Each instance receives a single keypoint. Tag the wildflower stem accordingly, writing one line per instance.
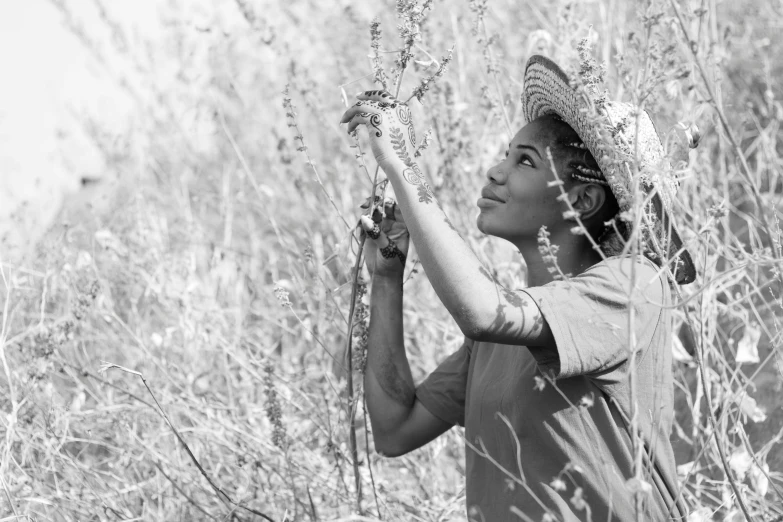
(745, 170)
(367, 451)
(494, 74)
(12, 392)
(699, 356)
(349, 341)
(295, 124)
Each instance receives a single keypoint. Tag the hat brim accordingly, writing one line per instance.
(547, 90)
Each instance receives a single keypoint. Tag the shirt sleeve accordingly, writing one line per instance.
(443, 391)
(590, 316)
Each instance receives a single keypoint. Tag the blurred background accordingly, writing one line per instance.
(162, 211)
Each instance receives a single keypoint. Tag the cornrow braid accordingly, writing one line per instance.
(588, 175)
(580, 171)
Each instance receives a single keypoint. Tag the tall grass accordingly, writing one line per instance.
(220, 269)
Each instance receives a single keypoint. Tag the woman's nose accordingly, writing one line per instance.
(497, 174)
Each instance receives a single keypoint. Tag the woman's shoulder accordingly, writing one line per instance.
(632, 271)
(627, 261)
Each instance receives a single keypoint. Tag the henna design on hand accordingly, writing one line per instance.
(376, 120)
(382, 94)
(391, 251)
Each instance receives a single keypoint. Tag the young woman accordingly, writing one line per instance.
(564, 388)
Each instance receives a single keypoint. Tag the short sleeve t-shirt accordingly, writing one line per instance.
(548, 433)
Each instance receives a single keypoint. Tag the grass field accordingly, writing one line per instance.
(175, 348)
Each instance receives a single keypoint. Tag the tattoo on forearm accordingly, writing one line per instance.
(404, 115)
(412, 174)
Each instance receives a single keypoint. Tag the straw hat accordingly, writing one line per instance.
(609, 130)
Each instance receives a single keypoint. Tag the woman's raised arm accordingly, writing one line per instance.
(483, 309)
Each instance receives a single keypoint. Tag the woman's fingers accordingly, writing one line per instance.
(351, 112)
(392, 210)
(358, 108)
(376, 96)
(386, 246)
(361, 118)
(373, 231)
(366, 203)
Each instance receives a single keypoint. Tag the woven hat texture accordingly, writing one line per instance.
(616, 133)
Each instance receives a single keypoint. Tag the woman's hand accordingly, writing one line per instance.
(388, 239)
(389, 124)
(392, 138)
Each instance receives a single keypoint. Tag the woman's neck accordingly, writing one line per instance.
(574, 256)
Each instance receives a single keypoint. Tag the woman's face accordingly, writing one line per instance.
(517, 202)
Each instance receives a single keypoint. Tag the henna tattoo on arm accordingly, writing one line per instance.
(412, 174)
(404, 115)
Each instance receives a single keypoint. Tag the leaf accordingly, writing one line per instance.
(748, 347)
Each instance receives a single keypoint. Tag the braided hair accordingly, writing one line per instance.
(580, 166)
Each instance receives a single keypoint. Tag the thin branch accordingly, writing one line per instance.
(220, 493)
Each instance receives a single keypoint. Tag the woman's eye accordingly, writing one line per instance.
(525, 160)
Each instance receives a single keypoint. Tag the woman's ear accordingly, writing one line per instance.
(587, 199)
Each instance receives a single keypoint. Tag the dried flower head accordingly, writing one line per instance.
(273, 411)
(587, 401)
(411, 15)
(361, 327)
(424, 86)
(577, 500)
(282, 295)
(558, 484)
(549, 253)
(375, 43)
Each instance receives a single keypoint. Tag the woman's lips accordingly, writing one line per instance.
(487, 202)
(488, 192)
